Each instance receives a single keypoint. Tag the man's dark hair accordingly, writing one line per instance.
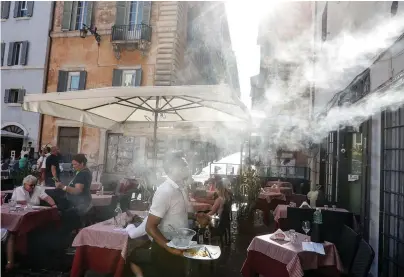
(80, 158)
(173, 159)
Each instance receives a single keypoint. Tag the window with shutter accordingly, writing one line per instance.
(24, 53)
(30, 8)
(3, 49)
(146, 12)
(5, 9)
(11, 96)
(121, 13)
(83, 79)
(20, 97)
(324, 22)
(73, 81)
(117, 78)
(7, 95)
(21, 8)
(67, 15)
(62, 80)
(80, 9)
(16, 53)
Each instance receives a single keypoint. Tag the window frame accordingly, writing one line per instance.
(139, 8)
(22, 11)
(69, 80)
(79, 15)
(127, 72)
(17, 54)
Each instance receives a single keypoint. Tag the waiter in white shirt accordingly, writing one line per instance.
(169, 209)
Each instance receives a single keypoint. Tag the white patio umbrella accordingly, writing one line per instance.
(111, 106)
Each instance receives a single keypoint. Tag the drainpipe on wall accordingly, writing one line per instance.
(313, 163)
(46, 70)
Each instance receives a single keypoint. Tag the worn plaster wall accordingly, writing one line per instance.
(71, 52)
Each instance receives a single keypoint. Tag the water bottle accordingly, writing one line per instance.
(118, 215)
(207, 236)
(316, 229)
(200, 235)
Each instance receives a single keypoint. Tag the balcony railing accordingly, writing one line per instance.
(135, 33)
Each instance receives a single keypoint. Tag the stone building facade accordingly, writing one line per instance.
(120, 58)
(25, 27)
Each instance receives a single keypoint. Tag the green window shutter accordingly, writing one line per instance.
(21, 94)
(138, 78)
(10, 53)
(62, 81)
(7, 95)
(117, 78)
(89, 13)
(83, 79)
(24, 53)
(67, 15)
(16, 8)
(121, 12)
(3, 48)
(5, 9)
(30, 8)
(146, 12)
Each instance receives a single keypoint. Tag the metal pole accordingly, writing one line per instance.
(156, 116)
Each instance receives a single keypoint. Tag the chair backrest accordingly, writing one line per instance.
(333, 223)
(362, 261)
(275, 202)
(298, 199)
(296, 216)
(347, 246)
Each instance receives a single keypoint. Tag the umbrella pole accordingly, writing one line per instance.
(156, 116)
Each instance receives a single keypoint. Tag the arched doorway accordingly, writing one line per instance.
(12, 139)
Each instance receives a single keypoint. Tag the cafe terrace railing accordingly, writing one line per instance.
(131, 33)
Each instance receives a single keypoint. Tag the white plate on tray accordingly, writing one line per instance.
(191, 245)
(199, 252)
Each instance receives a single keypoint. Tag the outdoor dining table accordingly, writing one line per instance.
(104, 248)
(101, 200)
(269, 196)
(23, 221)
(281, 211)
(269, 258)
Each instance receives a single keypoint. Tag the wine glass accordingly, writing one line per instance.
(306, 227)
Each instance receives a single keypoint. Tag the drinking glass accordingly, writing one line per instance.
(12, 204)
(334, 207)
(306, 228)
(325, 207)
(292, 235)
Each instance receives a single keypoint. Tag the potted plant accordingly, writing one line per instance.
(246, 198)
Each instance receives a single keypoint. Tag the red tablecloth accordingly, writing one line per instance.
(269, 196)
(103, 248)
(291, 255)
(22, 222)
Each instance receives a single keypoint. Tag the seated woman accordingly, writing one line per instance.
(30, 193)
(222, 197)
(77, 193)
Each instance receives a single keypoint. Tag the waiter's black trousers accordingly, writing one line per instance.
(165, 263)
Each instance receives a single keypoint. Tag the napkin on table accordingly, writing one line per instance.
(305, 205)
(279, 235)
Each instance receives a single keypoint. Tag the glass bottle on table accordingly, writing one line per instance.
(200, 237)
(118, 215)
